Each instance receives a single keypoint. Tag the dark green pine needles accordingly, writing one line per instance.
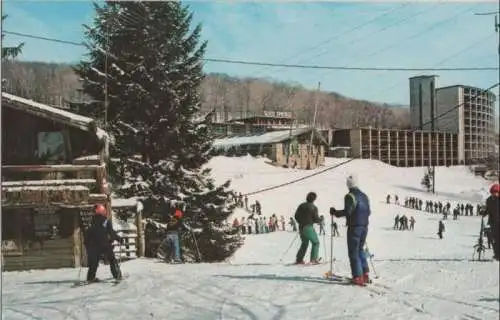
(151, 57)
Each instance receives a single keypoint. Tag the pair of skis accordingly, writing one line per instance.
(338, 278)
(320, 262)
(107, 280)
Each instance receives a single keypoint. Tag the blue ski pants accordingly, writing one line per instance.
(356, 238)
(173, 239)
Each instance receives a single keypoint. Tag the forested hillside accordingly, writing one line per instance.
(55, 84)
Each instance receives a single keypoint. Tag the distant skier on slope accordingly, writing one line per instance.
(98, 241)
(306, 215)
(441, 229)
(322, 225)
(292, 224)
(357, 212)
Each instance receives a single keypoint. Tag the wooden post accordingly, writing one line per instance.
(77, 242)
(141, 243)
(309, 147)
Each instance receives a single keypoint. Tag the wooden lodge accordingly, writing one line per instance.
(286, 148)
(48, 191)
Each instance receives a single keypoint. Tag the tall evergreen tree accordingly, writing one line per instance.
(153, 64)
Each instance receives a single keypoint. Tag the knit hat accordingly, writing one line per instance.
(495, 188)
(100, 210)
(352, 181)
(178, 214)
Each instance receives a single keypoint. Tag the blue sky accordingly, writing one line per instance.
(397, 34)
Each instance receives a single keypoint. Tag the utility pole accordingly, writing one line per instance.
(106, 76)
(314, 123)
(497, 30)
(433, 117)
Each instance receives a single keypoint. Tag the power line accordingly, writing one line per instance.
(282, 65)
(413, 36)
(446, 59)
(395, 23)
(300, 66)
(44, 38)
(300, 179)
(487, 13)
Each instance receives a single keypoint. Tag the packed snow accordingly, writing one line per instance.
(420, 276)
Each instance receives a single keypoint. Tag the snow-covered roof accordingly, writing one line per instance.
(51, 113)
(265, 138)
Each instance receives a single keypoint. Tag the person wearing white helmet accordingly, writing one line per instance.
(357, 212)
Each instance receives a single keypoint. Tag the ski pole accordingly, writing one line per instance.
(367, 251)
(196, 245)
(324, 245)
(331, 247)
(289, 246)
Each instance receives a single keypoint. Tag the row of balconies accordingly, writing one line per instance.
(374, 140)
(478, 101)
(409, 151)
(471, 116)
(478, 93)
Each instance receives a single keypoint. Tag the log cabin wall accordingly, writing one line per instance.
(35, 233)
(39, 238)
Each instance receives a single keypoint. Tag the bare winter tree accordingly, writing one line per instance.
(56, 83)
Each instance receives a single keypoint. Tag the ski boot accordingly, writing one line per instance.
(358, 281)
(366, 278)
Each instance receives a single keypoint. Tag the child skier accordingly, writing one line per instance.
(335, 229)
(174, 225)
(293, 224)
(98, 241)
(412, 223)
(322, 225)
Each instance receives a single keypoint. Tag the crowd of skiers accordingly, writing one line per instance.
(491, 210)
(437, 206)
(259, 225)
(403, 223)
(242, 202)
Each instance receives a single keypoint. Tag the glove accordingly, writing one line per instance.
(332, 211)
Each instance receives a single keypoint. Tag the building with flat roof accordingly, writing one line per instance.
(422, 92)
(469, 112)
(402, 148)
(466, 111)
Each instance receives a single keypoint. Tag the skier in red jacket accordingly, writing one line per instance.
(493, 213)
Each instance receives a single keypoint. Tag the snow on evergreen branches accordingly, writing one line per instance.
(153, 111)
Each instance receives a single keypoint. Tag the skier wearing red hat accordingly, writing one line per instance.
(98, 241)
(493, 213)
(175, 223)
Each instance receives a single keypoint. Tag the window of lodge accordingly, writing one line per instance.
(28, 232)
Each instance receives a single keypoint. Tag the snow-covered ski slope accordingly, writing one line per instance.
(421, 277)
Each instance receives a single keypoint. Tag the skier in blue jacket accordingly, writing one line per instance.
(357, 213)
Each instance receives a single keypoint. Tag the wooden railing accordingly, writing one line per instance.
(32, 178)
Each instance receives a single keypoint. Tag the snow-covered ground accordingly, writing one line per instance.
(420, 276)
